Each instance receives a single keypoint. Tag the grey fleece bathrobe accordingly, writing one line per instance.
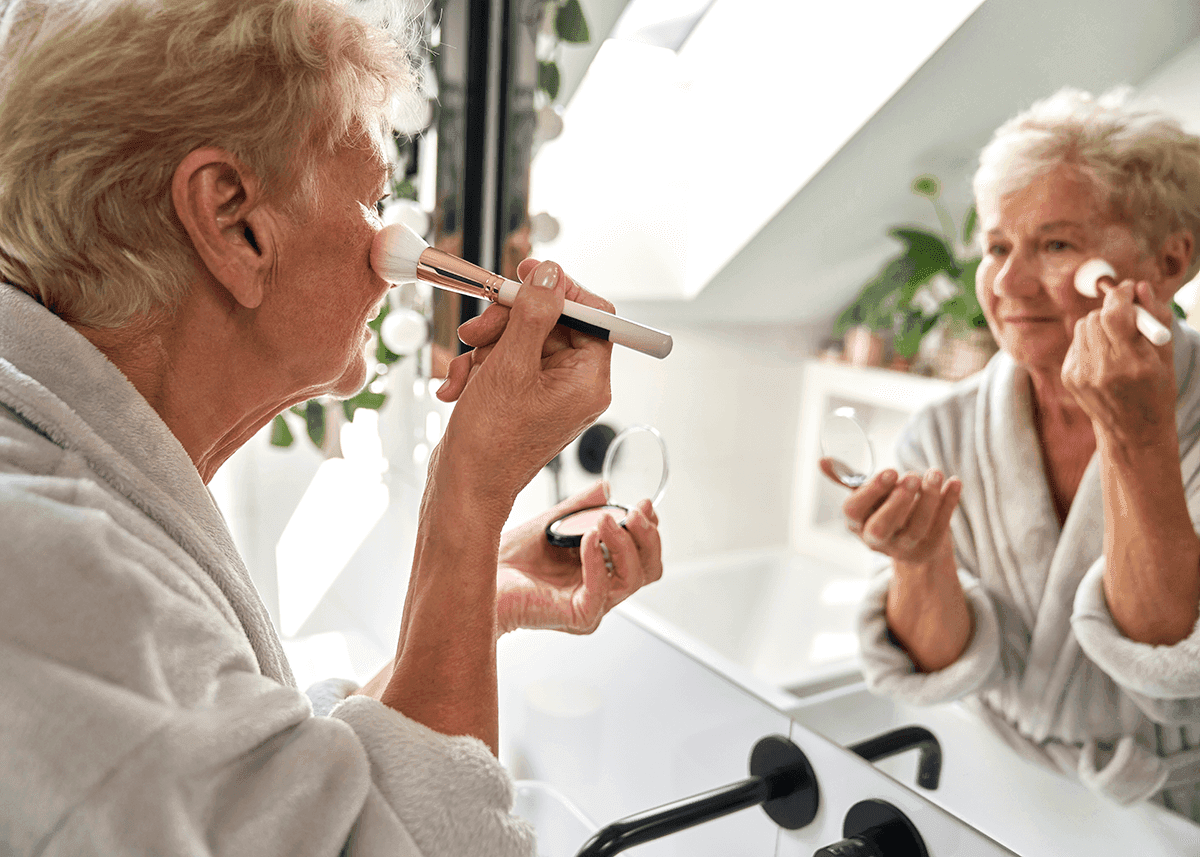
(145, 703)
(1047, 668)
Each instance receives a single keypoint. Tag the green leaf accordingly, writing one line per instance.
(927, 254)
(549, 78)
(363, 399)
(570, 24)
(911, 330)
(969, 224)
(927, 185)
(1179, 311)
(314, 418)
(404, 189)
(281, 435)
(383, 354)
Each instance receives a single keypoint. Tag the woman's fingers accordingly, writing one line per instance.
(910, 519)
(642, 526)
(627, 574)
(485, 328)
(915, 530)
(864, 500)
(460, 371)
(893, 513)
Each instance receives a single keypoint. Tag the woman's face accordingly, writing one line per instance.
(327, 291)
(1033, 241)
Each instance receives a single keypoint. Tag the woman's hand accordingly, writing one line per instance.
(905, 518)
(528, 387)
(908, 519)
(571, 589)
(1125, 384)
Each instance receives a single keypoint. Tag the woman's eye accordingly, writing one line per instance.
(379, 205)
(996, 250)
(1057, 246)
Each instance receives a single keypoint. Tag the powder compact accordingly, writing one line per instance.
(635, 468)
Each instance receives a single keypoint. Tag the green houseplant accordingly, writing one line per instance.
(931, 280)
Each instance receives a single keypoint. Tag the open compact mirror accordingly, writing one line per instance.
(635, 468)
(845, 442)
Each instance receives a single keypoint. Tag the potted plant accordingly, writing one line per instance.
(930, 284)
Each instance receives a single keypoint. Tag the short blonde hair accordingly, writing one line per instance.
(1144, 167)
(100, 100)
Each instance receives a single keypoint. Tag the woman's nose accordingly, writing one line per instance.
(1016, 278)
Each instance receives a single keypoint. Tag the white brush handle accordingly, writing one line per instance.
(601, 324)
(1089, 279)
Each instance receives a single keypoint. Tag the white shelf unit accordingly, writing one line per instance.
(883, 401)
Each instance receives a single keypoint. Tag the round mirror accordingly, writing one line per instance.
(845, 442)
(635, 468)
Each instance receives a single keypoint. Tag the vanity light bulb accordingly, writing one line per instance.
(410, 213)
(404, 331)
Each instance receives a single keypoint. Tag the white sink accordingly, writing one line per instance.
(561, 827)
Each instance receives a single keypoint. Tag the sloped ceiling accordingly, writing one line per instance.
(811, 258)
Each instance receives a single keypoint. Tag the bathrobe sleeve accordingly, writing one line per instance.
(931, 440)
(1164, 681)
(136, 721)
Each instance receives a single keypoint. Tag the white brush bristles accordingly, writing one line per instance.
(395, 253)
(1089, 274)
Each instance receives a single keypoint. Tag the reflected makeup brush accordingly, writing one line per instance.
(1096, 276)
(400, 255)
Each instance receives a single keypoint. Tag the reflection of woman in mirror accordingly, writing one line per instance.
(1053, 581)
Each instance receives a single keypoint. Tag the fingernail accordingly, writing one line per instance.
(889, 476)
(545, 275)
(933, 479)
(912, 482)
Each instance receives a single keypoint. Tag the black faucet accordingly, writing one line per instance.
(782, 781)
(929, 760)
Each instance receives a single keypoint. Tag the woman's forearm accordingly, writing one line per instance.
(927, 611)
(445, 668)
(1152, 552)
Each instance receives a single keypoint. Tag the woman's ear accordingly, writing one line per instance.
(1175, 257)
(219, 201)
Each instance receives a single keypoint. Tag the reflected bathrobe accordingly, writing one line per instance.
(146, 706)
(1046, 667)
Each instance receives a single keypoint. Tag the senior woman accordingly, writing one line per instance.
(1045, 565)
(188, 191)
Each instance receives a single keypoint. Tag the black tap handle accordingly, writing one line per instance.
(782, 781)
(929, 759)
(875, 828)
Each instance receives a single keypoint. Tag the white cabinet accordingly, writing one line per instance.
(883, 401)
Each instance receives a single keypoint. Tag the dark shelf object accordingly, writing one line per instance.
(782, 781)
(929, 760)
(593, 444)
(875, 828)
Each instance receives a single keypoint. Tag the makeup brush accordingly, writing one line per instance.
(400, 255)
(1095, 276)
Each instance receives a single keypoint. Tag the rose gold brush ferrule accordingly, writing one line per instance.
(449, 272)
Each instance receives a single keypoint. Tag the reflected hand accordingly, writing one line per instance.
(907, 519)
(1124, 383)
(571, 589)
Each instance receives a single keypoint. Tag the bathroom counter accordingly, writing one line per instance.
(624, 720)
(638, 715)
